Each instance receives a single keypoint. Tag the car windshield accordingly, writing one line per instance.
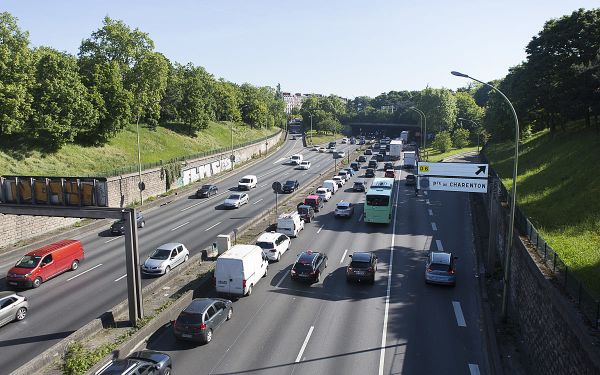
(343, 206)
(439, 267)
(205, 187)
(378, 200)
(321, 191)
(234, 196)
(245, 180)
(291, 183)
(303, 267)
(189, 318)
(119, 222)
(265, 245)
(358, 183)
(29, 261)
(302, 210)
(160, 254)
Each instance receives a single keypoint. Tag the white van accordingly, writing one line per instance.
(247, 182)
(331, 185)
(239, 269)
(296, 159)
(290, 224)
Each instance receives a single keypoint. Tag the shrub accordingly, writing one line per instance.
(442, 142)
(460, 138)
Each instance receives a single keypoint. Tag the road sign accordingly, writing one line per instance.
(469, 170)
(465, 185)
(276, 186)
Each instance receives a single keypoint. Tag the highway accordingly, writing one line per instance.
(69, 301)
(400, 325)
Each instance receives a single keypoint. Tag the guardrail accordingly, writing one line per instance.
(566, 278)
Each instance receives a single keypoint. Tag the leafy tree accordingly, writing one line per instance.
(460, 137)
(439, 105)
(173, 95)
(193, 106)
(468, 109)
(148, 87)
(16, 75)
(442, 141)
(227, 96)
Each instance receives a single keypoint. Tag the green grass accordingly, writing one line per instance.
(121, 151)
(319, 139)
(436, 156)
(558, 188)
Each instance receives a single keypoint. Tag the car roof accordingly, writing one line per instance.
(306, 257)
(268, 237)
(291, 181)
(169, 246)
(361, 256)
(359, 182)
(6, 293)
(51, 247)
(312, 196)
(343, 203)
(119, 366)
(198, 305)
(440, 257)
(208, 186)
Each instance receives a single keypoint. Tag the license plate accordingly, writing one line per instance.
(360, 272)
(12, 283)
(187, 336)
(222, 282)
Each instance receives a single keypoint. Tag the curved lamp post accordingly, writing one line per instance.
(425, 131)
(421, 120)
(509, 242)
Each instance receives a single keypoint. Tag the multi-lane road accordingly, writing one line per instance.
(400, 325)
(66, 303)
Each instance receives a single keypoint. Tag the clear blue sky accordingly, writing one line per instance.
(348, 47)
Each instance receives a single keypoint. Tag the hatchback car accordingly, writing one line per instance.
(236, 200)
(306, 212)
(165, 258)
(390, 173)
(309, 266)
(350, 171)
(388, 165)
(361, 159)
(343, 209)
(440, 268)
(370, 172)
(273, 244)
(372, 164)
(339, 154)
(13, 307)
(339, 180)
(118, 227)
(147, 362)
(362, 267)
(379, 157)
(368, 152)
(206, 191)
(201, 318)
(355, 166)
(344, 174)
(322, 149)
(290, 186)
(324, 193)
(410, 179)
(359, 186)
(304, 165)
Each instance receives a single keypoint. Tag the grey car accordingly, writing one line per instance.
(12, 307)
(440, 268)
(147, 362)
(201, 318)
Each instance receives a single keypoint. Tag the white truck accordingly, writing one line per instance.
(404, 136)
(290, 224)
(395, 149)
(239, 269)
(410, 160)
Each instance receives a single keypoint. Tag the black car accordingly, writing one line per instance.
(368, 152)
(206, 191)
(379, 157)
(355, 165)
(143, 362)
(358, 186)
(200, 318)
(361, 159)
(372, 164)
(410, 180)
(388, 165)
(362, 267)
(118, 227)
(306, 212)
(290, 186)
(370, 172)
(309, 266)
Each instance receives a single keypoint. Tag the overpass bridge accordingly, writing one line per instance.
(386, 129)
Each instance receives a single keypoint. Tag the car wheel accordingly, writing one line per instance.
(208, 336)
(74, 265)
(186, 258)
(167, 270)
(167, 371)
(37, 282)
(142, 224)
(266, 272)
(318, 277)
(21, 314)
(229, 314)
(325, 263)
(249, 292)
(278, 257)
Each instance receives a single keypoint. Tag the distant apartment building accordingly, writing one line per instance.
(292, 101)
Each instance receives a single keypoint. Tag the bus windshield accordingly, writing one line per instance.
(378, 200)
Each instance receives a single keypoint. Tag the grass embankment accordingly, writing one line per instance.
(319, 139)
(558, 188)
(156, 145)
(436, 156)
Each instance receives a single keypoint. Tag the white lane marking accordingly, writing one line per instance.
(84, 272)
(319, 231)
(179, 226)
(473, 369)
(283, 278)
(360, 217)
(263, 185)
(112, 239)
(258, 201)
(439, 245)
(460, 318)
(427, 201)
(285, 174)
(310, 331)
(425, 192)
(317, 165)
(433, 226)
(209, 228)
(389, 287)
(343, 256)
(120, 278)
(430, 212)
(192, 206)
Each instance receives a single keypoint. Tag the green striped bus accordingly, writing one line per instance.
(378, 202)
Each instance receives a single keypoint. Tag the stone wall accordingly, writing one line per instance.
(123, 190)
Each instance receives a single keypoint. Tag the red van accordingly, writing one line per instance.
(44, 263)
(314, 201)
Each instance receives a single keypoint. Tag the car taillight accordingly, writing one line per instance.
(370, 269)
(451, 271)
(293, 272)
(349, 269)
(428, 269)
(244, 283)
(202, 326)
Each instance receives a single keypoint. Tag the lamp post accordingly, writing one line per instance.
(425, 131)
(140, 183)
(477, 125)
(420, 120)
(232, 156)
(509, 242)
(311, 139)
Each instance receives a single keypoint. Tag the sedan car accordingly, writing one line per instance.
(370, 172)
(388, 165)
(322, 149)
(290, 186)
(309, 266)
(390, 173)
(206, 191)
(350, 171)
(410, 180)
(324, 193)
(147, 362)
(361, 159)
(201, 318)
(362, 267)
(165, 258)
(344, 209)
(236, 200)
(368, 152)
(440, 268)
(339, 154)
(118, 227)
(13, 307)
(305, 165)
(372, 164)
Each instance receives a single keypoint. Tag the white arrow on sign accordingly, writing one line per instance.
(465, 185)
(471, 170)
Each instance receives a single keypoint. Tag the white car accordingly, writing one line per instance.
(315, 148)
(339, 180)
(340, 154)
(304, 165)
(344, 173)
(165, 258)
(324, 193)
(236, 200)
(332, 150)
(322, 149)
(273, 244)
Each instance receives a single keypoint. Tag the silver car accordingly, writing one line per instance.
(440, 268)
(12, 307)
(165, 258)
(343, 209)
(236, 200)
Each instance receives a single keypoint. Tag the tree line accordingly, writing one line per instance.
(52, 98)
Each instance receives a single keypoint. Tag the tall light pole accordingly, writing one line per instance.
(477, 125)
(232, 158)
(509, 242)
(421, 121)
(311, 139)
(425, 131)
(140, 183)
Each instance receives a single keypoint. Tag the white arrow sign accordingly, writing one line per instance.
(466, 185)
(471, 170)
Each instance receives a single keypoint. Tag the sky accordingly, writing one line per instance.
(348, 48)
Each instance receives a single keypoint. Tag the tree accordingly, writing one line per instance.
(442, 141)
(439, 105)
(227, 97)
(468, 109)
(460, 137)
(16, 75)
(148, 87)
(192, 108)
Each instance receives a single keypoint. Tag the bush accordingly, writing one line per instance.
(79, 359)
(460, 138)
(442, 142)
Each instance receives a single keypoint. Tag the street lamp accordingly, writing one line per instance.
(425, 131)
(232, 156)
(311, 139)
(478, 130)
(421, 121)
(509, 242)
(140, 183)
